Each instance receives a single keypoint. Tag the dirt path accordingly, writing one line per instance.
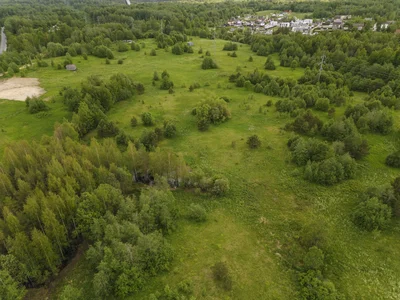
(3, 41)
(47, 292)
(20, 88)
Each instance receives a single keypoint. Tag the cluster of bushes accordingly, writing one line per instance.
(230, 47)
(181, 48)
(322, 164)
(166, 83)
(378, 206)
(35, 105)
(151, 138)
(369, 116)
(306, 123)
(217, 185)
(211, 112)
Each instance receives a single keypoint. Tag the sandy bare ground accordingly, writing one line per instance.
(20, 88)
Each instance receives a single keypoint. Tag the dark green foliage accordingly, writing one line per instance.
(233, 54)
(208, 53)
(221, 275)
(107, 61)
(250, 59)
(230, 47)
(332, 170)
(208, 63)
(134, 121)
(122, 47)
(269, 64)
(153, 52)
(254, 141)
(314, 286)
(306, 123)
(149, 139)
(71, 98)
(211, 112)
(169, 130)
(155, 76)
(372, 214)
(147, 119)
(393, 160)
(304, 150)
(322, 104)
(103, 52)
(120, 61)
(107, 129)
(197, 213)
(35, 105)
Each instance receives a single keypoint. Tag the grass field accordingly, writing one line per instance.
(269, 202)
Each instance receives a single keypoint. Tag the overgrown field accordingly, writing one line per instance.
(269, 203)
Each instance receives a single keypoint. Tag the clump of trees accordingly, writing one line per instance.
(322, 164)
(211, 112)
(96, 97)
(208, 63)
(254, 142)
(230, 47)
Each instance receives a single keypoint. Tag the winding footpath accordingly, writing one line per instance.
(3, 43)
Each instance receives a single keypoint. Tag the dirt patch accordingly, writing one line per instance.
(20, 88)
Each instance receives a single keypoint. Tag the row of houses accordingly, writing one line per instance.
(267, 24)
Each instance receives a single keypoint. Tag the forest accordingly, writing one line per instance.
(186, 159)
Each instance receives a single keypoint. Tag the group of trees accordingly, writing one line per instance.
(96, 97)
(378, 206)
(55, 193)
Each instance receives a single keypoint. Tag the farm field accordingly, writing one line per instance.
(269, 203)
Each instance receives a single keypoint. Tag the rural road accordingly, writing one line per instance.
(3, 42)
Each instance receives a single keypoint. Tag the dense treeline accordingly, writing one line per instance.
(58, 192)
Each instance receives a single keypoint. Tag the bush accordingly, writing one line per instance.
(169, 130)
(107, 129)
(221, 275)
(314, 286)
(134, 121)
(103, 52)
(269, 64)
(322, 104)
(153, 52)
(208, 63)
(35, 105)
(197, 213)
(314, 259)
(393, 160)
(230, 47)
(220, 186)
(147, 119)
(372, 214)
(254, 141)
(120, 61)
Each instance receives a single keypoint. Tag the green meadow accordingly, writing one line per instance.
(269, 203)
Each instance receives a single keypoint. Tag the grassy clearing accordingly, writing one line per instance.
(268, 202)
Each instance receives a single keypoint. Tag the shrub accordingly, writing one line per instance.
(393, 160)
(220, 186)
(120, 61)
(221, 275)
(134, 121)
(372, 214)
(197, 213)
(208, 63)
(254, 141)
(230, 47)
(147, 119)
(107, 129)
(314, 286)
(269, 64)
(322, 104)
(314, 259)
(35, 105)
(169, 130)
(153, 52)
